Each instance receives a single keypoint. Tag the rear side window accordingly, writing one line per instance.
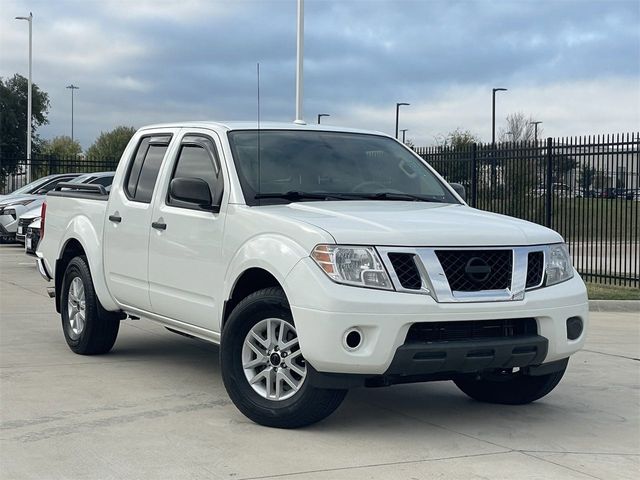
(144, 169)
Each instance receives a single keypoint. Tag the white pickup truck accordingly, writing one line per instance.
(320, 259)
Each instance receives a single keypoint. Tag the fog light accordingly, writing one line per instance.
(574, 328)
(352, 338)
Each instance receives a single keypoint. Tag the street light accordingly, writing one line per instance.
(72, 87)
(404, 131)
(493, 123)
(30, 20)
(320, 115)
(398, 105)
(535, 131)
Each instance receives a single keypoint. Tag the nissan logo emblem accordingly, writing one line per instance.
(477, 270)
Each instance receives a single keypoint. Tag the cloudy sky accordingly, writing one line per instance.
(575, 65)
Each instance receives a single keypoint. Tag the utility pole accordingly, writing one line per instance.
(299, 60)
(398, 105)
(29, 96)
(72, 87)
(320, 115)
(404, 131)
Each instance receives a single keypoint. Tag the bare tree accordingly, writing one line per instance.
(519, 129)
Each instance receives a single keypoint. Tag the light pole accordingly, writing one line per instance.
(29, 93)
(535, 130)
(72, 87)
(299, 62)
(493, 114)
(404, 131)
(398, 105)
(320, 115)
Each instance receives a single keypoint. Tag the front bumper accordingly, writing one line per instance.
(324, 311)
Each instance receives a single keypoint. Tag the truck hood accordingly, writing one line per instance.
(393, 223)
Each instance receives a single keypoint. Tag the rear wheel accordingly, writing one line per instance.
(88, 328)
(507, 387)
(263, 369)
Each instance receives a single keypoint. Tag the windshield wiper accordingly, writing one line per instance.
(296, 195)
(400, 197)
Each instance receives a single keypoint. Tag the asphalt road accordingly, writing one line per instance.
(155, 408)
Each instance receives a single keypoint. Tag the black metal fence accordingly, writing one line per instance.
(13, 171)
(586, 188)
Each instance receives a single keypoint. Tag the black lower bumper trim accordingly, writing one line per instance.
(468, 356)
(423, 362)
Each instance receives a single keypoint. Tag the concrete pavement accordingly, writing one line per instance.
(155, 408)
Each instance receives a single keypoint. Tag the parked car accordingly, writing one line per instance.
(26, 218)
(40, 186)
(320, 259)
(632, 194)
(32, 238)
(12, 206)
(559, 189)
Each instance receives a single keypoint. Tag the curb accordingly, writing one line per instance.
(628, 306)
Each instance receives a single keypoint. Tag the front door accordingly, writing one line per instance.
(186, 271)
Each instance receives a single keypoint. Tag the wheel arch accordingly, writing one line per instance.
(81, 238)
(250, 280)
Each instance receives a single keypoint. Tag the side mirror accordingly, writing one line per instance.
(42, 191)
(460, 190)
(191, 190)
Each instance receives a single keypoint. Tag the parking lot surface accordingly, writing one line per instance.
(155, 408)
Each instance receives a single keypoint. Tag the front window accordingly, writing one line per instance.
(277, 166)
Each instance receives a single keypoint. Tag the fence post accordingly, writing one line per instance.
(474, 175)
(548, 192)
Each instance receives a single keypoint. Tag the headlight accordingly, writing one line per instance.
(559, 266)
(352, 265)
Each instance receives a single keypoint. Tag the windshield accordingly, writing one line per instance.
(31, 187)
(316, 165)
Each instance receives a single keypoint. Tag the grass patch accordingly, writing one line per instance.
(599, 291)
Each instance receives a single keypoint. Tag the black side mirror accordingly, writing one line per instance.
(191, 190)
(460, 190)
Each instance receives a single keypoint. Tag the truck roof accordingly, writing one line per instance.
(252, 125)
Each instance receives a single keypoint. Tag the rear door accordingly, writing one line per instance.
(186, 271)
(128, 222)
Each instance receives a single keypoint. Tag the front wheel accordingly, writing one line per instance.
(508, 388)
(88, 328)
(263, 369)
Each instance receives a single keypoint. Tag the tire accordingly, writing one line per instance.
(296, 408)
(513, 389)
(99, 330)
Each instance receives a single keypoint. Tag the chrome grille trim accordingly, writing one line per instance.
(435, 283)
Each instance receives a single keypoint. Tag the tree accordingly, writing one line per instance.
(458, 139)
(519, 129)
(110, 145)
(13, 119)
(62, 147)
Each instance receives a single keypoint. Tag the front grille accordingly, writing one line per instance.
(427, 332)
(476, 270)
(535, 269)
(406, 270)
